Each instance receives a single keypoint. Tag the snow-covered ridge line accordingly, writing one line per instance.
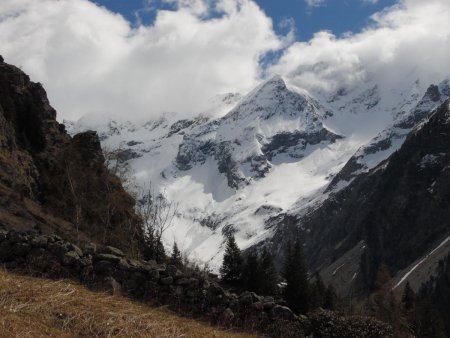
(406, 275)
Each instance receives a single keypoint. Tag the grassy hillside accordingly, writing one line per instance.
(32, 307)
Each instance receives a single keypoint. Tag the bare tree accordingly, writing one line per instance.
(117, 164)
(157, 214)
(77, 202)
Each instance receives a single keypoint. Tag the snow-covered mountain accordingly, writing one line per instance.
(274, 151)
(390, 139)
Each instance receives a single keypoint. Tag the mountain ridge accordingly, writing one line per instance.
(276, 151)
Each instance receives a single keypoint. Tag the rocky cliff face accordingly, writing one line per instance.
(395, 214)
(52, 182)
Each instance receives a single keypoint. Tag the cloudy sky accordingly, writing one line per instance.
(139, 58)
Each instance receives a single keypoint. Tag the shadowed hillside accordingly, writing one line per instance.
(51, 182)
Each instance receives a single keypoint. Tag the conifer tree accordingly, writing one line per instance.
(176, 258)
(296, 292)
(231, 270)
(428, 321)
(160, 253)
(317, 295)
(269, 280)
(330, 298)
(251, 273)
(408, 297)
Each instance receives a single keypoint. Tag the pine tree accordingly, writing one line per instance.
(408, 297)
(231, 270)
(429, 322)
(176, 258)
(251, 273)
(296, 292)
(149, 247)
(160, 253)
(269, 285)
(317, 295)
(330, 298)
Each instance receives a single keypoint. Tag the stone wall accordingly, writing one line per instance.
(187, 292)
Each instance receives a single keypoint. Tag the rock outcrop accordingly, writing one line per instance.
(51, 182)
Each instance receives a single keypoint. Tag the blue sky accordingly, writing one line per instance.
(337, 16)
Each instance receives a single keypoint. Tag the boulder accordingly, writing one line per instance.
(111, 251)
(130, 285)
(193, 282)
(167, 280)
(39, 241)
(171, 270)
(104, 267)
(282, 312)
(21, 249)
(154, 275)
(71, 258)
(112, 286)
(59, 249)
(246, 298)
(5, 251)
(3, 235)
(15, 237)
(227, 315)
(258, 306)
(75, 248)
(89, 248)
(123, 265)
(268, 306)
(106, 257)
(183, 281)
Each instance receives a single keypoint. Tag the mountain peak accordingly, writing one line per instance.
(276, 79)
(276, 82)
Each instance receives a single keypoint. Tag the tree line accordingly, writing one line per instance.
(256, 272)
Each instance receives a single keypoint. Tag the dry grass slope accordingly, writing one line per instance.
(32, 307)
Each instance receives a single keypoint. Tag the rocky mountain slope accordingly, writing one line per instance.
(51, 182)
(396, 214)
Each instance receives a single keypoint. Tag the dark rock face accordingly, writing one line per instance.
(228, 166)
(193, 152)
(400, 209)
(433, 95)
(107, 268)
(89, 147)
(179, 125)
(281, 143)
(50, 181)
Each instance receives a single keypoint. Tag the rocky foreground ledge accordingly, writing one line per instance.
(191, 293)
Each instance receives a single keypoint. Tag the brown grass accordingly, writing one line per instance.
(32, 307)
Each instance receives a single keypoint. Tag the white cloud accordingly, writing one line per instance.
(407, 41)
(91, 60)
(318, 3)
(315, 3)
